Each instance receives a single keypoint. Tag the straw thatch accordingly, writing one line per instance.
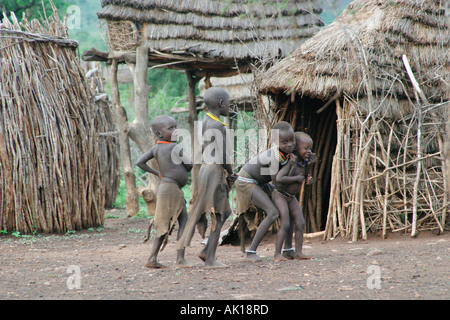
(211, 29)
(331, 61)
(53, 172)
(386, 134)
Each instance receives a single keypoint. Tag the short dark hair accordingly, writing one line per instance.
(282, 125)
(213, 95)
(303, 135)
(158, 121)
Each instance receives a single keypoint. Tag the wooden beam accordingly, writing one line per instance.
(193, 117)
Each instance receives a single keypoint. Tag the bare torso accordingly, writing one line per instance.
(170, 171)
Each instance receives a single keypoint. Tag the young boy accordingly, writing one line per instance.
(174, 169)
(253, 184)
(213, 177)
(287, 184)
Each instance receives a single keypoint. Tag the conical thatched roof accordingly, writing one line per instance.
(370, 35)
(214, 29)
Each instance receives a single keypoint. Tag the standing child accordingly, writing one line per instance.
(174, 169)
(213, 177)
(287, 184)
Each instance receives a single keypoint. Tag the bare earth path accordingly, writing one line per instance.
(108, 263)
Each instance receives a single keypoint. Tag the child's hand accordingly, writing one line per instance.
(231, 178)
(309, 179)
(312, 158)
(301, 178)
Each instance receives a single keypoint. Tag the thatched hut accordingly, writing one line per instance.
(378, 129)
(204, 38)
(209, 35)
(54, 166)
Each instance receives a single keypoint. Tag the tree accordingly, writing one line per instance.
(33, 9)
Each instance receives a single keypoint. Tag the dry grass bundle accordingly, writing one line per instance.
(50, 162)
(123, 36)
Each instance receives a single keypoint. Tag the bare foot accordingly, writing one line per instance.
(279, 257)
(215, 265)
(301, 256)
(252, 256)
(202, 256)
(289, 254)
(155, 265)
(183, 264)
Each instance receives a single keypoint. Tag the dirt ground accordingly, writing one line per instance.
(108, 263)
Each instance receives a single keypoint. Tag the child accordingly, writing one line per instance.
(170, 203)
(253, 186)
(213, 177)
(287, 184)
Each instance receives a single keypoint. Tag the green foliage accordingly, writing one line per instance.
(331, 9)
(33, 8)
(88, 35)
(173, 82)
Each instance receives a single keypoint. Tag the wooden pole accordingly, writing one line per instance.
(418, 93)
(120, 117)
(196, 148)
(386, 184)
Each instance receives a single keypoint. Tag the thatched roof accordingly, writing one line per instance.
(375, 34)
(211, 29)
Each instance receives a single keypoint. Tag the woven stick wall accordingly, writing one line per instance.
(50, 162)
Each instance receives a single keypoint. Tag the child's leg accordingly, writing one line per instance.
(288, 251)
(213, 241)
(297, 214)
(152, 260)
(202, 255)
(261, 201)
(282, 205)
(182, 219)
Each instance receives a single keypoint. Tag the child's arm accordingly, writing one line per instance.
(226, 157)
(142, 162)
(283, 176)
(311, 160)
(285, 171)
(286, 179)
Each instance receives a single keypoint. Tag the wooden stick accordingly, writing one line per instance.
(418, 92)
(413, 80)
(386, 185)
(314, 235)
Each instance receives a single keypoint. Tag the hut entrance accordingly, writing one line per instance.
(319, 121)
